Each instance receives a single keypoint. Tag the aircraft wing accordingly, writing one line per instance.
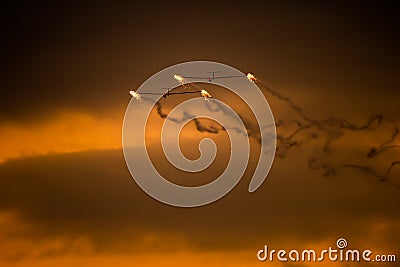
(185, 92)
(192, 77)
(226, 77)
(148, 93)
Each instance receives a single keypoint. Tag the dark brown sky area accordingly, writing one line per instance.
(329, 70)
(60, 55)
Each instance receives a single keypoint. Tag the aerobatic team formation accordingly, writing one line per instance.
(182, 80)
(324, 127)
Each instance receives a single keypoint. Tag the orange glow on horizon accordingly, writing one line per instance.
(65, 132)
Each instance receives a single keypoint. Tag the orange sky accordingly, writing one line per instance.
(63, 132)
(66, 196)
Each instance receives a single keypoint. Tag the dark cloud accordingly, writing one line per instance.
(73, 55)
(73, 195)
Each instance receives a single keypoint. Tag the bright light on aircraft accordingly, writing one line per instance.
(205, 94)
(137, 96)
(251, 77)
(179, 78)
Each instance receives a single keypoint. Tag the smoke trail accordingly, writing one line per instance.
(283, 98)
(160, 111)
(381, 177)
(211, 129)
(306, 129)
(333, 129)
(327, 170)
(376, 151)
(202, 128)
(186, 115)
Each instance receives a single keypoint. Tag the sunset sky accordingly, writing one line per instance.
(67, 197)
